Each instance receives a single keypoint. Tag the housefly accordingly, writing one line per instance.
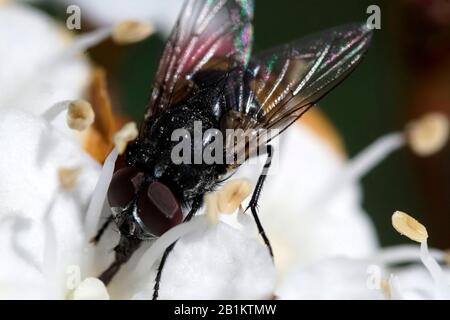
(207, 74)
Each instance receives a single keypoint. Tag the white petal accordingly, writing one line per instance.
(29, 40)
(415, 282)
(91, 289)
(29, 188)
(20, 272)
(334, 278)
(219, 263)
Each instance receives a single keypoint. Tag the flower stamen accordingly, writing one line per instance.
(68, 177)
(425, 136)
(409, 227)
(226, 200)
(359, 166)
(128, 133)
(403, 254)
(441, 281)
(55, 110)
(429, 134)
(125, 32)
(80, 115)
(131, 31)
(232, 194)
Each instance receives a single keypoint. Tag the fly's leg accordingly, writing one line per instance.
(160, 268)
(253, 205)
(195, 207)
(123, 252)
(102, 230)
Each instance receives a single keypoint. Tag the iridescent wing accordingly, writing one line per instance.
(206, 30)
(281, 84)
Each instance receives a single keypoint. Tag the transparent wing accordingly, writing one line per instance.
(281, 84)
(206, 31)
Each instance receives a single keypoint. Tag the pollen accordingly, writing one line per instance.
(409, 227)
(131, 31)
(232, 194)
(80, 115)
(68, 177)
(226, 200)
(428, 134)
(128, 133)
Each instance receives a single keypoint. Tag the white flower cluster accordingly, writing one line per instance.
(324, 244)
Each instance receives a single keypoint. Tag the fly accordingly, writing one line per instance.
(207, 74)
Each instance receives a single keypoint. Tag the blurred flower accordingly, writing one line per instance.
(31, 77)
(341, 278)
(376, 277)
(161, 13)
(42, 64)
(331, 278)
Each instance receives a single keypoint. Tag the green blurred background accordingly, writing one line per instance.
(372, 102)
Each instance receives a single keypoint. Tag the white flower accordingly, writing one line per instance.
(341, 278)
(376, 276)
(44, 240)
(331, 278)
(218, 262)
(416, 283)
(56, 221)
(30, 77)
(41, 225)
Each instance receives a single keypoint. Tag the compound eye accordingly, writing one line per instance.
(123, 186)
(158, 209)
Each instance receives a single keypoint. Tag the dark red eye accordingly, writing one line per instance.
(123, 186)
(158, 209)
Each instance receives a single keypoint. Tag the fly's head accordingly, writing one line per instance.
(142, 208)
